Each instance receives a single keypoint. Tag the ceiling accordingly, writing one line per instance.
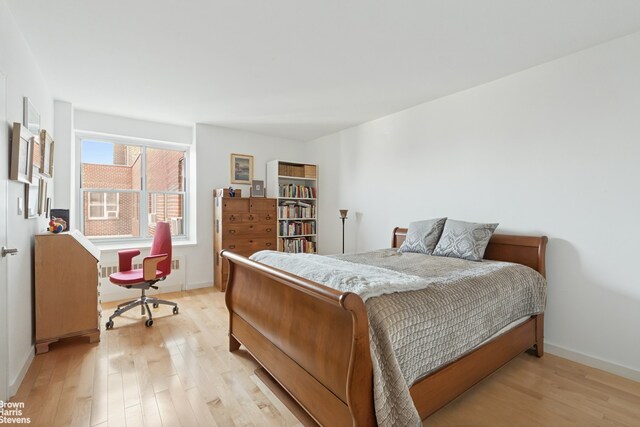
(298, 69)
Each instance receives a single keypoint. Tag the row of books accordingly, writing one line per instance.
(291, 170)
(297, 191)
(293, 228)
(301, 245)
(301, 210)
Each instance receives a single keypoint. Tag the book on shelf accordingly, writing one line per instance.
(297, 245)
(297, 191)
(297, 170)
(296, 210)
(296, 228)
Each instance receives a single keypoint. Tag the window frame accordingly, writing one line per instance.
(143, 193)
(104, 205)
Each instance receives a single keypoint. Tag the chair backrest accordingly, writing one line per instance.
(162, 245)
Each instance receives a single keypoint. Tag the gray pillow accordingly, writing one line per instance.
(466, 240)
(423, 236)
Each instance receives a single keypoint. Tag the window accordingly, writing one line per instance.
(103, 205)
(126, 189)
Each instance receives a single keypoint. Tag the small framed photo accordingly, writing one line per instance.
(46, 148)
(257, 188)
(241, 169)
(21, 154)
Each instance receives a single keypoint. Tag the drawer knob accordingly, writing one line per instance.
(268, 217)
(232, 231)
(268, 229)
(250, 241)
(232, 218)
(250, 216)
(268, 244)
(232, 246)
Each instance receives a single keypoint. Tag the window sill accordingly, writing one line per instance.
(119, 246)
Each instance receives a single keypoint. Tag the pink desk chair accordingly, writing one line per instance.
(155, 267)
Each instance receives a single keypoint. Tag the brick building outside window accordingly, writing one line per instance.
(127, 189)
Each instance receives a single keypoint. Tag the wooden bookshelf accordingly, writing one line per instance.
(295, 187)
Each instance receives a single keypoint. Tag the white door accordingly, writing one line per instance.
(4, 175)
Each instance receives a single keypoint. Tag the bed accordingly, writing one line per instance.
(329, 371)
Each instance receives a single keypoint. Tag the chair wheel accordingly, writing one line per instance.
(156, 305)
(175, 310)
(148, 323)
(109, 324)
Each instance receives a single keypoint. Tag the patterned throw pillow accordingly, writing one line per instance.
(466, 240)
(423, 236)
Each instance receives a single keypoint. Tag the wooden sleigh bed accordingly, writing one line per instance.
(314, 340)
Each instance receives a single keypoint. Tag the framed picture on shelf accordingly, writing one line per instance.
(257, 188)
(241, 169)
(21, 154)
(46, 146)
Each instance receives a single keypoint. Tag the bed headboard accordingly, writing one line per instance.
(527, 250)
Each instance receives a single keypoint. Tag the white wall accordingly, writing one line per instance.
(552, 150)
(23, 79)
(215, 145)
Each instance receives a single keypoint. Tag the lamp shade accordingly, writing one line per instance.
(343, 213)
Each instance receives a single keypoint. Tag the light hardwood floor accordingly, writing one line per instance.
(179, 373)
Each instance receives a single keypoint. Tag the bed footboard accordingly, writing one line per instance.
(312, 339)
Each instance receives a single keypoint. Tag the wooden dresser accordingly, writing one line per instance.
(66, 288)
(243, 225)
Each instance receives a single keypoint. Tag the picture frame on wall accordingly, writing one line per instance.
(32, 195)
(31, 117)
(241, 169)
(46, 146)
(22, 142)
(257, 188)
(37, 154)
(42, 196)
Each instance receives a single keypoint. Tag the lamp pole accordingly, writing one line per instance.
(343, 217)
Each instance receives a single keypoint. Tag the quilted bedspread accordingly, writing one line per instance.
(457, 306)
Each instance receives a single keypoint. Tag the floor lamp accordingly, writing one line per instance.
(343, 216)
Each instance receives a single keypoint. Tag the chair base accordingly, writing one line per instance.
(143, 302)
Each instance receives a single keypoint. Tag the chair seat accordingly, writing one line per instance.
(130, 277)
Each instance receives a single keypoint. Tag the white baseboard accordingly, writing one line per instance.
(14, 385)
(594, 362)
(199, 285)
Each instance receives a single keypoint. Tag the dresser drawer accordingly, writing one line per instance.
(235, 205)
(249, 246)
(248, 230)
(268, 205)
(258, 217)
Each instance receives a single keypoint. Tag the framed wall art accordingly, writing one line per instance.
(21, 154)
(32, 195)
(31, 117)
(241, 169)
(46, 146)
